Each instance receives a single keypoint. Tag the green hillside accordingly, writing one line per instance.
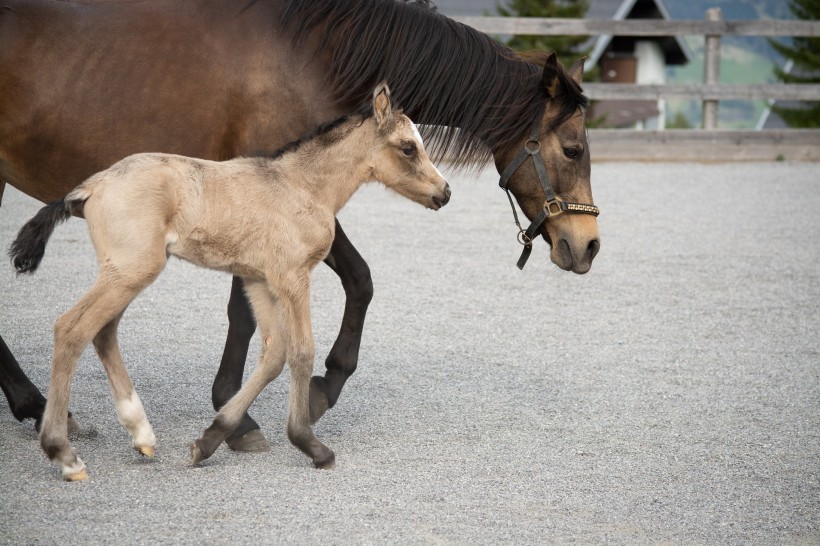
(737, 65)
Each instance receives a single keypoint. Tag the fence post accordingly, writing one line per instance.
(711, 69)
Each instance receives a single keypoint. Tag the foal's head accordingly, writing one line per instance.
(401, 162)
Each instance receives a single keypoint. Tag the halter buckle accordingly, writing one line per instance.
(554, 207)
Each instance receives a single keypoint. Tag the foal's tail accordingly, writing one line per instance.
(28, 248)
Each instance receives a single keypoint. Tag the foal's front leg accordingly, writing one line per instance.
(232, 413)
(241, 325)
(301, 352)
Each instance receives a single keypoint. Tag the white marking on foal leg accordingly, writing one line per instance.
(132, 417)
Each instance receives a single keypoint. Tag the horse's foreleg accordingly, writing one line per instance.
(129, 406)
(271, 363)
(228, 380)
(343, 358)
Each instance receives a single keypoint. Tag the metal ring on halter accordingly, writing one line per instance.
(523, 238)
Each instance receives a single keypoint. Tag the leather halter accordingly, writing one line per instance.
(553, 206)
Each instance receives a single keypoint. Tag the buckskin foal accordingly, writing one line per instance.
(270, 226)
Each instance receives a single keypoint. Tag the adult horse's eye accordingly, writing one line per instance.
(572, 152)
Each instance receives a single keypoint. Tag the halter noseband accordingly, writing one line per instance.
(552, 206)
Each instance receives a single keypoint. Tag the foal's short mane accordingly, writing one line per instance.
(325, 131)
(473, 94)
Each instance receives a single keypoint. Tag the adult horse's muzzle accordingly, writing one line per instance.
(574, 241)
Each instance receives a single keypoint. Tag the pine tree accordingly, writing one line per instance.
(805, 54)
(566, 47)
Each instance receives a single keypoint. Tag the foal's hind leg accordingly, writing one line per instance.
(73, 331)
(129, 407)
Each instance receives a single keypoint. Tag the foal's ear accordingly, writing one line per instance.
(382, 109)
(550, 78)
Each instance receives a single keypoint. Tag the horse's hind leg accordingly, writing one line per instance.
(25, 400)
(241, 325)
(271, 363)
(342, 360)
(129, 407)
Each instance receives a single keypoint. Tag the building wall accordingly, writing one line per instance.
(651, 70)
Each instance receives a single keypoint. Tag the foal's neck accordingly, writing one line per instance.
(333, 172)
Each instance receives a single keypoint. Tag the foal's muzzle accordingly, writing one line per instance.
(439, 202)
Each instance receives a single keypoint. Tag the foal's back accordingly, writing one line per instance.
(232, 216)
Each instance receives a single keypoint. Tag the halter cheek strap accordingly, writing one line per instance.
(552, 206)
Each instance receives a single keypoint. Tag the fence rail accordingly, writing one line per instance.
(697, 91)
(706, 144)
(546, 26)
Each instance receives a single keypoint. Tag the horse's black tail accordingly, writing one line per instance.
(28, 248)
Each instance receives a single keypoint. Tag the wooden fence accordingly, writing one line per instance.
(707, 143)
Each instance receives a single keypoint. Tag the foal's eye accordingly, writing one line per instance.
(409, 150)
(572, 152)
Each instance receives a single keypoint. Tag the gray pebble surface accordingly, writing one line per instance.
(672, 394)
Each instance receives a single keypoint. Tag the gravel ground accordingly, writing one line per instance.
(670, 395)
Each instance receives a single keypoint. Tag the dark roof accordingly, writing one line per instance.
(674, 47)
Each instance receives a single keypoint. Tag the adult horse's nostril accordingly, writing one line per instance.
(592, 249)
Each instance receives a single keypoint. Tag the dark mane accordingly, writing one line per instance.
(471, 93)
(325, 132)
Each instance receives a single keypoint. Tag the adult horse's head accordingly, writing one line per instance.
(548, 172)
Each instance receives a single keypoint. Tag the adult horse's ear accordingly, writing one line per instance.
(576, 71)
(550, 77)
(382, 109)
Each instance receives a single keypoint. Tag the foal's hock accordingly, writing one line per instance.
(271, 225)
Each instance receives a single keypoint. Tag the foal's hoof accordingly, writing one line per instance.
(326, 462)
(252, 441)
(318, 402)
(147, 451)
(80, 476)
(196, 455)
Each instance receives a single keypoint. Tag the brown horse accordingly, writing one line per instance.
(83, 84)
(270, 226)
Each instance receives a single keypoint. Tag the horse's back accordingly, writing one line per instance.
(85, 84)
